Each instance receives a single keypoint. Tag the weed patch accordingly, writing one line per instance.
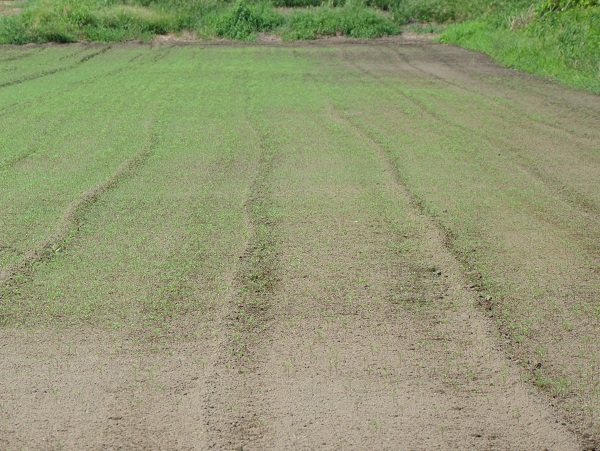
(352, 20)
(549, 40)
(243, 20)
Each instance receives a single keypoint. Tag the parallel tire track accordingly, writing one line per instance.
(470, 286)
(509, 108)
(54, 71)
(561, 192)
(23, 55)
(70, 222)
(88, 81)
(246, 316)
(391, 168)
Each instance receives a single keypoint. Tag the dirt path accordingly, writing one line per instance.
(336, 310)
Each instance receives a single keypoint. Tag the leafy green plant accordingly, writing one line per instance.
(353, 19)
(244, 19)
(550, 6)
(439, 11)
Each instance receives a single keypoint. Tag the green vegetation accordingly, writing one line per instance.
(352, 19)
(557, 38)
(113, 20)
(157, 246)
(140, 185)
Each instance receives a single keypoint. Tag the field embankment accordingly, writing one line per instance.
(314, 246)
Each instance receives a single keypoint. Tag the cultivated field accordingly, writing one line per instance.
(376, 245)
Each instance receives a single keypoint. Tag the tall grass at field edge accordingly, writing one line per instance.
(564, 45)
(112, 20)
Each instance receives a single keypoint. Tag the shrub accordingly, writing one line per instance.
(354, 19)
(406, 11)
(243, 20)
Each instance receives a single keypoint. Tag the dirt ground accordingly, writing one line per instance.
(362, 329)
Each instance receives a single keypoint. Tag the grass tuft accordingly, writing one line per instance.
(353, 19)
(243, 20)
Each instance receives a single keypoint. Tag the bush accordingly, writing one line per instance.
(13, 31)
(550, 6)
(407, 11)
(353, 19)
(297, 3)
(135, 20)
(243, 20)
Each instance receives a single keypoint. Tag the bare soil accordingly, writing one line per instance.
(366, 330)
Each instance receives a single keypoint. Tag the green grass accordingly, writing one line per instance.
(559, 39)
(352, 19)
(112, 20)
(129, 256)
(143, 186)
(562, 44)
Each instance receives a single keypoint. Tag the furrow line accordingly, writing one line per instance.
(560, 192)
(31, 148)
(88, 81)
(450, 260)
(232, 420)
(162, 54)
(446, 235)
(22, 55)
(415, 101)
(54, 71)
(256, 278)
(69, 224)
(511, 108)
(73, 54)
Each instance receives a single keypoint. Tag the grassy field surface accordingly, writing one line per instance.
(355, 245)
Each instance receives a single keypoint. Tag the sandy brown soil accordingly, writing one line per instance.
(349, 323)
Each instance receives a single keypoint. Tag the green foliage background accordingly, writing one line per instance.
(557, 38)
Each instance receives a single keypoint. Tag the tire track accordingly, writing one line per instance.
(314, 369)
(525, 164)
(54, 71)
(510, 108)
(162, 53)
(447, 236)
(232, 418)
(68, 226)
(561, 192)
(31, 148)
(470, 287)
(88, 81)
(23, 55)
